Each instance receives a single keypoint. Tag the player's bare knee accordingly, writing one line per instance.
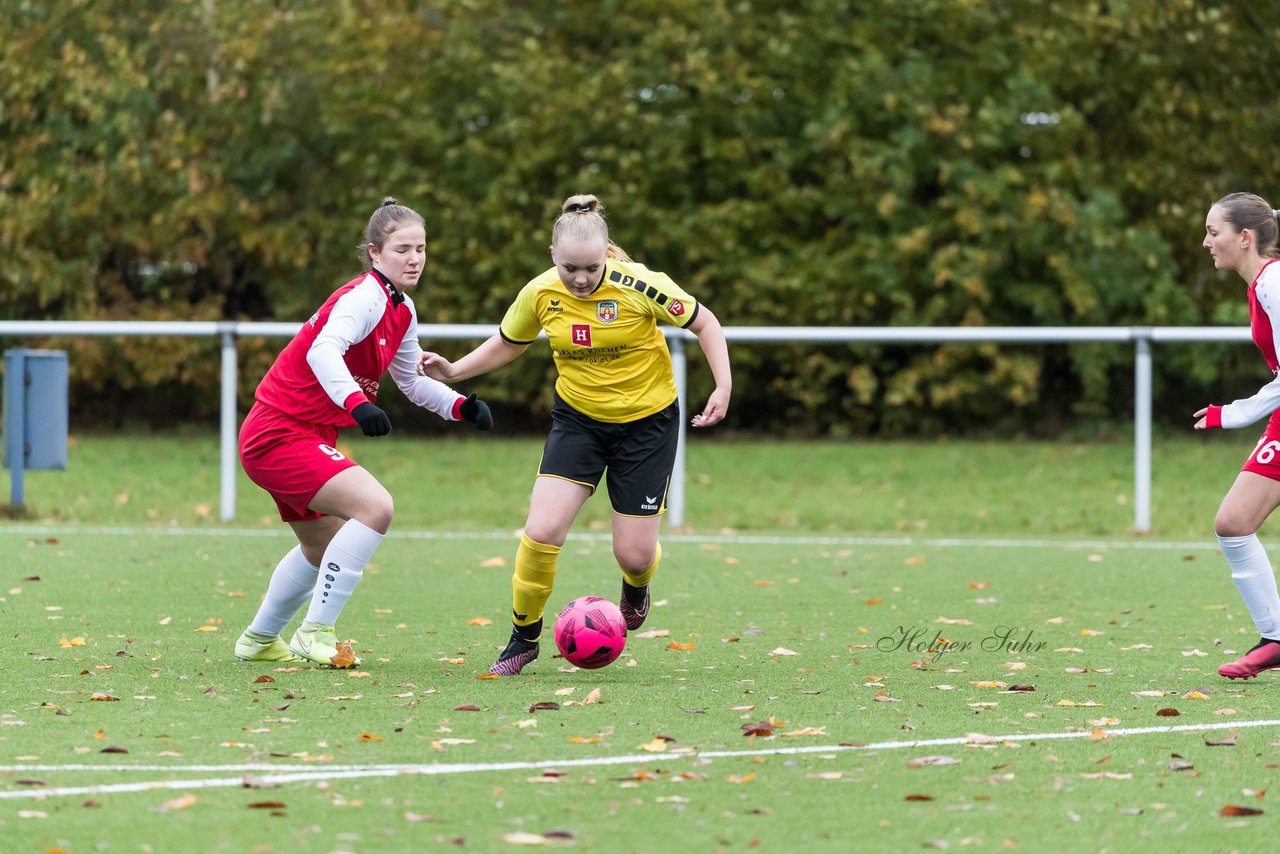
(545, 536)
(378, 514)
(634, 561)
(1232, 524)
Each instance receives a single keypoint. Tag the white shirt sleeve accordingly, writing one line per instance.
(1243, 412)
(430, 394)
(353, 317)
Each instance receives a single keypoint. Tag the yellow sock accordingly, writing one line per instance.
(644, 578)
(532, 581)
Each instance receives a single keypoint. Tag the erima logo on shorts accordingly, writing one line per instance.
(650, 503)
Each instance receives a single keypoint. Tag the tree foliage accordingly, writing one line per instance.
(812, 162)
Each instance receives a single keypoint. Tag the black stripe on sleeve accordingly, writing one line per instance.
(511, 340)
(696, 309)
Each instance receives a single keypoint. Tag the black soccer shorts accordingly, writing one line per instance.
(637, 456)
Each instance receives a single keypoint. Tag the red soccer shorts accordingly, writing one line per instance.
(1265, 459)
(290, 459)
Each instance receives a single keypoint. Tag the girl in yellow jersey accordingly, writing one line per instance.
(615, 412)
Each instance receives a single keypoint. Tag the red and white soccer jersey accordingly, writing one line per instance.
(334, 363)
(1264, 324)
(337, 359)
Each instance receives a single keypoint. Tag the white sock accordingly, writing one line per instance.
(1256, 581)
(344, 561)
(291, 586)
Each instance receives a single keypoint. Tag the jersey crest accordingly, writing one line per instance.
(607, 310)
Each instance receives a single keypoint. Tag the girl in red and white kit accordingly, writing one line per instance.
(1242, 233)
(326, 378)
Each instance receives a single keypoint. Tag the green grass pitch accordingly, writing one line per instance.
(825, 692)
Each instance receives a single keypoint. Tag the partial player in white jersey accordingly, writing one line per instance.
(328, 377)
(1242, 233)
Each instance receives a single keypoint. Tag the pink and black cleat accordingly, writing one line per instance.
(633, 616)
(1264, 656)
(518, 655)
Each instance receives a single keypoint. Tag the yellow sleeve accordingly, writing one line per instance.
(521, 324)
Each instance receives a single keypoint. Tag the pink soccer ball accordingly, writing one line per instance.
(590, 632)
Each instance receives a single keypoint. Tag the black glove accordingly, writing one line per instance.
(372, 420)
(477, 412)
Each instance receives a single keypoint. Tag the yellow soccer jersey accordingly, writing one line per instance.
(612, 360)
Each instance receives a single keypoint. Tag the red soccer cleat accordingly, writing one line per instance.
(1264, 656)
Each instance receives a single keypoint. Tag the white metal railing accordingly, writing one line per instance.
(1142, 337)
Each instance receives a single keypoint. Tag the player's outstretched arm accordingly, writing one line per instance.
(493, 353)
(716, 350)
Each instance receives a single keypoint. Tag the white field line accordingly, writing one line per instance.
(730, 539)
(303, 773)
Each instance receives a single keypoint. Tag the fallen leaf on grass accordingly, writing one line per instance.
(782, 650)
(413, 816)
(653, 633)
(1168, 713)
(1150, 693)
(519, 837)
(657, 745)
(544, 707)
(106, 698)
(368, 736)
(809, 730)
(181, 803)
(494, 561)
(1229, 741)
(267, 805)
(1237, 810)
(345, 657)
(762, 728)
(989, 683)
(918, 798)
(680, 646)
(467, 707)
(479, 621)
(65, 644)
(263, 679)
(922, 761)
(251, 782)
(1195, 695)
